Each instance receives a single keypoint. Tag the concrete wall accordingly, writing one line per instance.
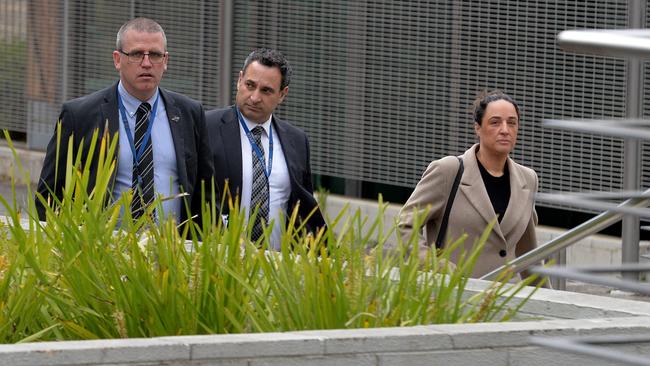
(31, 161)
(593, 250)
(450, 344)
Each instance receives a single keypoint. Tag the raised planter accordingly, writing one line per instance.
(548, 313)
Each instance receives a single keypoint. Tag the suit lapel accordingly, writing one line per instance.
(110, 112)
(519, 197)
(111, 121)
(231, 140)
(474, 190)
(288, 149)
(176, 125)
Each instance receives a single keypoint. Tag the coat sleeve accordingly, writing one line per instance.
(426, 205)
(528, 240)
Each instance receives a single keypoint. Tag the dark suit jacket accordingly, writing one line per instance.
(223, 128)
(82, 116)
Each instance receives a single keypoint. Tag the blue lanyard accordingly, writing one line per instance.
(152, 117)
(258, 149)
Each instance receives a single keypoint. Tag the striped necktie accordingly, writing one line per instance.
(260, 191)
(143, 178)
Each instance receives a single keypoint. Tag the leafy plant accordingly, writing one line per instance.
(89, 273)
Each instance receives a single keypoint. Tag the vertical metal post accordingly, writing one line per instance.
(65, 52)
(201, 52)
(559, 283)
(352, 188)
(226, 54)
(630, 224)
(356, 69)
(632, 147)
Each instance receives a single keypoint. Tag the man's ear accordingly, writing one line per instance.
(116, 59)
(241, 75)
(283, 93)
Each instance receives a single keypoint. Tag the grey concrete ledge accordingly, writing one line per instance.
(397, 344)
(450, 344)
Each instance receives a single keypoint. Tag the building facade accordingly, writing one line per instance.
(381, 87)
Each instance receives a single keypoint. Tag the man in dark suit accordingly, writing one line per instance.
(162, 141)
(264, 159)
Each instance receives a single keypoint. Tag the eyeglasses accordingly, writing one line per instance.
(136, 57)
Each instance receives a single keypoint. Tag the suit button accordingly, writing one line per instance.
(502, 252)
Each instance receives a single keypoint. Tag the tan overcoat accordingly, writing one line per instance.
(472, 210)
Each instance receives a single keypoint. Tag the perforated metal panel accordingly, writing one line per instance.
(13, 62)
(385, 87)
(370, 78)
(511, 45)
(382, 87)
(74, 41)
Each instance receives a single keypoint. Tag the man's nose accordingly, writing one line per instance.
(146, 62)
(256, 96)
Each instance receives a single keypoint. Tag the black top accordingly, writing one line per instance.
(498, 189)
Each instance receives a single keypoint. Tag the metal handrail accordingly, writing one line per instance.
(607, 42)
(568, 238)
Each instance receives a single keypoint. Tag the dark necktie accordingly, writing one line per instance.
(260, 191)
(142, 184)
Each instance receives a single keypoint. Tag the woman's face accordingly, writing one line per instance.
(497, 132)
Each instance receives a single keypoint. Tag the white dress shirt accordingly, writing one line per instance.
(279, 182)
(164, 154)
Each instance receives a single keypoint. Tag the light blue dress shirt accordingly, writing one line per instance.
(164, 155)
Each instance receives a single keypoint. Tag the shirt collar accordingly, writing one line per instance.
(132, 103)
(266, 125)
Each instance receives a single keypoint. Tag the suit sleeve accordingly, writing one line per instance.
(52, 178)
(306, 179)
(316, 220)
(425, 205)
(205, 168)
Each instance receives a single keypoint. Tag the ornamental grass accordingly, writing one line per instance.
(91, 272)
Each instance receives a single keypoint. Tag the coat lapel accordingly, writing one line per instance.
(231, 140)
(519, 198)
(176, 125)
(474, 190)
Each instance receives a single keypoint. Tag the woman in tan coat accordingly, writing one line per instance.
(492, 186)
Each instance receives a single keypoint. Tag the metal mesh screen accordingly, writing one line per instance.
(381, 87)
(79, 37)
(511, 45)
(13, 62)
(369, 77)
(384, 87)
